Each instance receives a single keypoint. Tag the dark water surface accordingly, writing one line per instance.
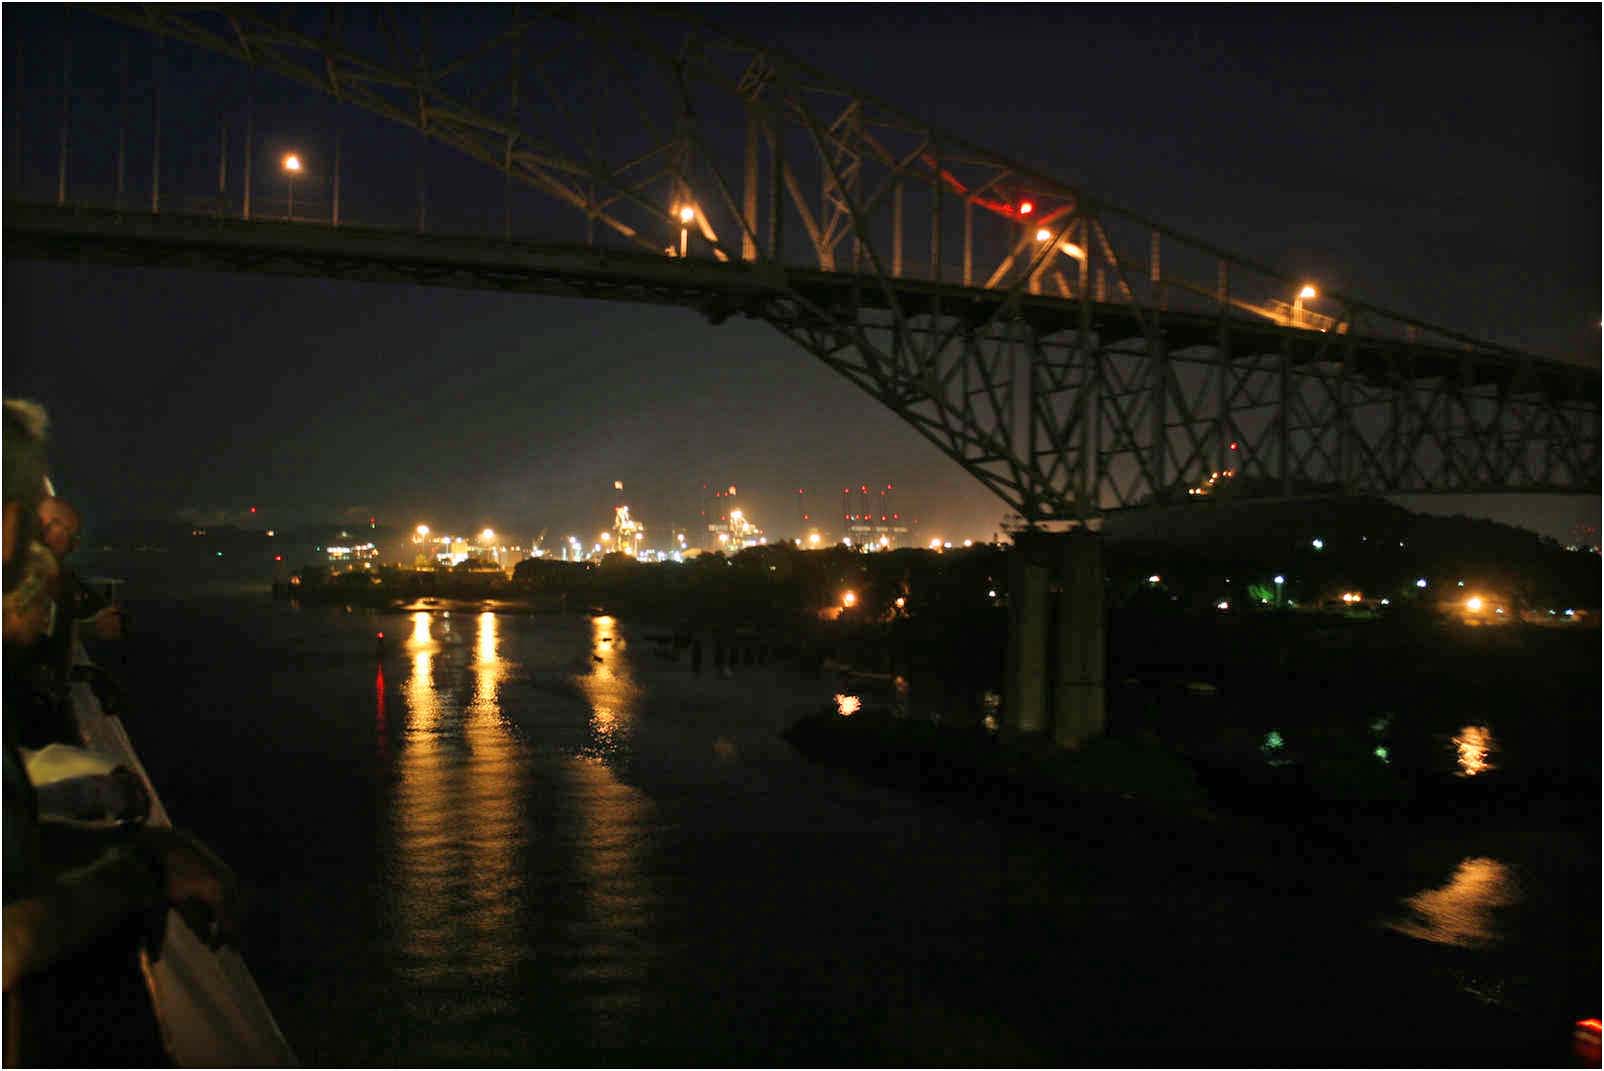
(520, 840)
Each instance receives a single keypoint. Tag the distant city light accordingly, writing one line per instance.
(1154, 579)
(1043, 234)
(1473, 604)
(813, 539)
(1318, 544)
(901, 602)
(1222, 605)
(849, 598)
(1308, 292)
(1026, 208)
(292, 164)
(686, 214)
(1279, 579)
(422, 530)
(487, 535)
(1420, 583)
(993, 594)
(969, 542)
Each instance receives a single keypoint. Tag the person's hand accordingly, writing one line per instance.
(195, 878)
(106, 624)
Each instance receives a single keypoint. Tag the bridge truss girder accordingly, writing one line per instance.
(1072, 355)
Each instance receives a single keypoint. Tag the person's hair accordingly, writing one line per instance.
(25, 462)
(26, 478)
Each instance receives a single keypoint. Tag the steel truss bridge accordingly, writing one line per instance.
(1072, 355)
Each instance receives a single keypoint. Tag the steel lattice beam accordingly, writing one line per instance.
(1072, 355)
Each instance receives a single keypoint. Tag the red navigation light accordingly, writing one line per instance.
(253, 509)
(381, 635)
(896, 516)
(278, 557)
(1233, 446)
(1026, 207)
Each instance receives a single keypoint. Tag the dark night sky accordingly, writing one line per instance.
(1443, 162)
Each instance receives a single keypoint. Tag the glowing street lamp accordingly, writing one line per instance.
(1279, 581)
(1473, 604)
(423, 531)
(1308, 293)
(687, 215)
(487, 535)
(849, 599)
(292, 167)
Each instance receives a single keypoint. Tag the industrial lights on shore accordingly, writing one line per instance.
(1420, 583)
(849, 598)
(1308, 292)
(1026, 207)
(292, 163)
(1474, 604)
(1318, 544)
(687, 214)
(487, 535)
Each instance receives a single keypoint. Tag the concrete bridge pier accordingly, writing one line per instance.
(1025, 673)
(1056, 664)
(1080, 651)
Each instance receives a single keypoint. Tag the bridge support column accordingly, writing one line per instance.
(1025, 675)
(1079, 653)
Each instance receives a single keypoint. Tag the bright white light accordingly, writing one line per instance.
(687, 214)
(849, 598)
(1222, 605)
(1279, 579)
(292, 163)
(423, 529)
(1154, 579)
(487, 535)
(1318, 544)
(1308, 292)
(1043, 235)
(993, 594)
(1420, 583)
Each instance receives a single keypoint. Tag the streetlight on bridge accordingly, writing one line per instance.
(687, 215)
(1308, 293)
(292, 167)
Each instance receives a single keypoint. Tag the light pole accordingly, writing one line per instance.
(292, 167)
(1308, 293)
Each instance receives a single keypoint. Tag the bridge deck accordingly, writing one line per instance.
(86, 234)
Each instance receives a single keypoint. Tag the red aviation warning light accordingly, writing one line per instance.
(1026, 207)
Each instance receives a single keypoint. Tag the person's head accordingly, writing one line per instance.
(58, 526)
(29, 607)
(25, 482)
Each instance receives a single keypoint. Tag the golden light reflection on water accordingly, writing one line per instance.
(613, 819)
(456, 812)
(1474, 744)
(610, 688)
(1461, 913)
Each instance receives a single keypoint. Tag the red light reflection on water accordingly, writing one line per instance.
(378, 703)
